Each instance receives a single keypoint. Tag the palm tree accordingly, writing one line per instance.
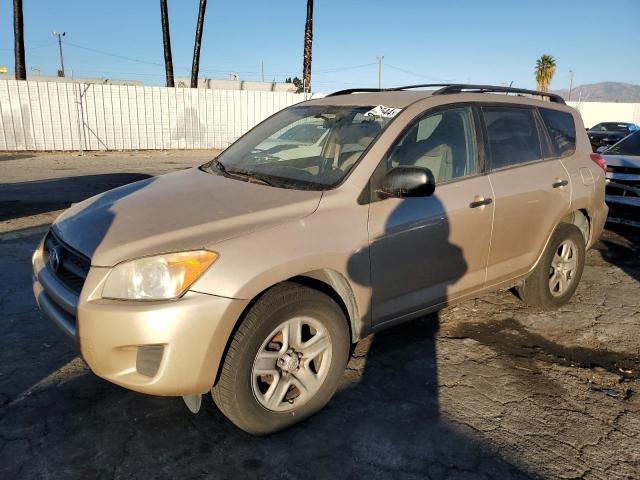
(18, 33)
(166, 42)
(195, 66)
(545, 69)
(308, 42)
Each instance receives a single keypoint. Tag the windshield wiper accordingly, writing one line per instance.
(251, 176)
(247, 176)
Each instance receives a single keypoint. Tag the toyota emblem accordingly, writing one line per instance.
(55, 258)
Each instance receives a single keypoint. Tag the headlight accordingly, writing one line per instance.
(161, 277)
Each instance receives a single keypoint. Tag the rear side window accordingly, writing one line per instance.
(562, 131)
(512, 136)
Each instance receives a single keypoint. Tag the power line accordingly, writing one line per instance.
(415, 74)
(122, 57)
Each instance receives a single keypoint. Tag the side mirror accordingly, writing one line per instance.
(407, 182)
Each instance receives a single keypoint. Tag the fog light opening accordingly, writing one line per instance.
(148, 359)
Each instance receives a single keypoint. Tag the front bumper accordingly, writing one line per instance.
(160, 348)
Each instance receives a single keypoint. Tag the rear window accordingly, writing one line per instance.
(512, 136)
(562, 131)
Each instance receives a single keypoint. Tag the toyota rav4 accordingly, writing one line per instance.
(252, 276)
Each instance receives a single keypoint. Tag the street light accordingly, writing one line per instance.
(380, 59)
(570, 83)
(60, 35)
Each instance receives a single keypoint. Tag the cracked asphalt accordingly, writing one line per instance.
(489, 388)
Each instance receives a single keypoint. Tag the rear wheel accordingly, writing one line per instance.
(285, 360)
(555, 279)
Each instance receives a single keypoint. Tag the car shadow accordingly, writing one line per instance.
(40, 196)
(623, 250)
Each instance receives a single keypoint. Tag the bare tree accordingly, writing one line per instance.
(18, 33)
(308, 42)
(195, 66)
(166, 42)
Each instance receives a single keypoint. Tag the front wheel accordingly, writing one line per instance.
(285, 360)
(555, 279)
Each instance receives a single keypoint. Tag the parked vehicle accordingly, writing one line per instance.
(607, 133)
(623, 180)
(252, 276)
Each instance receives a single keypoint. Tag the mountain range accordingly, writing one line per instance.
(604, 92)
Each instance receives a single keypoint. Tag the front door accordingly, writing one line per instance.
(426, 251)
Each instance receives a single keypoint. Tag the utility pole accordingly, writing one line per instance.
(60, 35)
(262, 70)
(380, 59)
(570, 84)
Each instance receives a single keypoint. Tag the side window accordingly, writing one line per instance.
(562, 130)
(442, 142)
(512, 136)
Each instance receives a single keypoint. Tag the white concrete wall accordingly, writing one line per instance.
(75, 116)
(37, 115)
(596, 112)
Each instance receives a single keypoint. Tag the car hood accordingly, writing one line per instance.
(185, 210)
(622, 160)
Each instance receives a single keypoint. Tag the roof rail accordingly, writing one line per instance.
(349, 91)
(459, 88)
(450, 88)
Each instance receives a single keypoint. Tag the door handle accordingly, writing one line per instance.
(481, 203)
(560, 183)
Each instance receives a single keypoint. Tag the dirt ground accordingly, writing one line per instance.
(487, 389)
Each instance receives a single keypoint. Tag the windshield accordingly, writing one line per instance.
(306, 147)
(613, 127)
(627, 146)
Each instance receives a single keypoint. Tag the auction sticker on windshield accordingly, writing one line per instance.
(382, 111)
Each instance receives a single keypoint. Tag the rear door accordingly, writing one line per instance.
(532, 193)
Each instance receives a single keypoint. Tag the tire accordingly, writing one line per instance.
(241, 394)
(542, 289)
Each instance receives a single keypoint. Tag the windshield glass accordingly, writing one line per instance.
(306, 147)
(615, 127)
(627, 146)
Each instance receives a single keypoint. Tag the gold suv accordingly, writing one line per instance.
(253, 275)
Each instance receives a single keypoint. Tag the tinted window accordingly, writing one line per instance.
(627, 146)
(562, 130)
(443, 142)
(512, 136)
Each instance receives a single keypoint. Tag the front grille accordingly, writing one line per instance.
(629, 170)
(68, 266)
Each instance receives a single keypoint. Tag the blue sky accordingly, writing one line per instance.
(422, 41)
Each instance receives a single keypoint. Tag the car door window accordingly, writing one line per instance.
(442, 141)
(561, 129)
(512, 136)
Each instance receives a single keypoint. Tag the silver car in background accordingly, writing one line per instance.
(623, 180)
